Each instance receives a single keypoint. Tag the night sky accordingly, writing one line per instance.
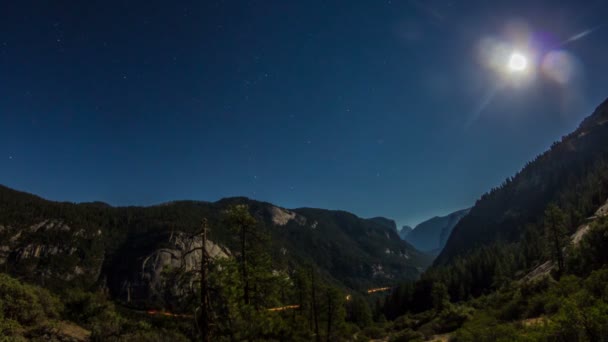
(392, 108)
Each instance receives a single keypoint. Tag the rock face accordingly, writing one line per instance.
(388, 223)
(602, 211)
(545, 268)
(281, 217)
(34, 249)
(405, 230)
(132, 252)
(154, 281)
(431, 235)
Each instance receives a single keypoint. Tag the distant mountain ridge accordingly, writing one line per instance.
(405, 230)
(125, 249)
(432, 234)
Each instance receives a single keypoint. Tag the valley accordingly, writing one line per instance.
(306, 171)
(527, 260)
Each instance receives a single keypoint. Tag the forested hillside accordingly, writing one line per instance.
(529, 262)
(260, 257)
(91, 243)
(571, 174)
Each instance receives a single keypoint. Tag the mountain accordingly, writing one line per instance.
(127, 249)
(388, 223)
(533, 248)
(572, 174)
(431, 235)
(405, 230)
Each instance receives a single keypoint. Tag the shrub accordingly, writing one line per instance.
(407, 335)
(25, 308)
(373, 332)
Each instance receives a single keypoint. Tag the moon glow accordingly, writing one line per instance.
(517, 62)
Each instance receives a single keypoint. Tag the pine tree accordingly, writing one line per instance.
(555, 230)
(243, 224)
(439, 296)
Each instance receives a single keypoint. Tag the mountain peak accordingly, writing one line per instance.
(405, 230)
(386, 222)
(432, 234)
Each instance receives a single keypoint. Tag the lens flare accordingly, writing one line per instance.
(560, 67)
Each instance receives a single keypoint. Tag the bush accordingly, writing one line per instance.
(597, 284)
(486, 328)
(592, 251)
(536, 306)
(153, 336)
(27, 304)
(450, 320)
(407, 335)
(403, 322)
(374, 332)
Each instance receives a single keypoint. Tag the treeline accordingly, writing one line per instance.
(251, 297)
(247, 296)
(483, 298)
(487, 268)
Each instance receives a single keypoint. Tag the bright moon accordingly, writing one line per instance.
(517, 62)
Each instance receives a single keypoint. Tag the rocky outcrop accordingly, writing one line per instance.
(168, 272)
(32, 246)
(602, 211)
(41, 251)
(545, 268)
(281, 217)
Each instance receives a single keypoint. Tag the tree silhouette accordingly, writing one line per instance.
(556, 232)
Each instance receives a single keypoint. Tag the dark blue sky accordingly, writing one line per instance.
(376, 107)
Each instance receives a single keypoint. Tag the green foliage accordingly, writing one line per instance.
(153, 336)
(557, 234)
(440, 297)
(359, 312)
(25, 309)
(29, 312)
(252, 298)
(96, 312)
(407, 335)
(373, 332)
(592, 252)
(486, 328)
